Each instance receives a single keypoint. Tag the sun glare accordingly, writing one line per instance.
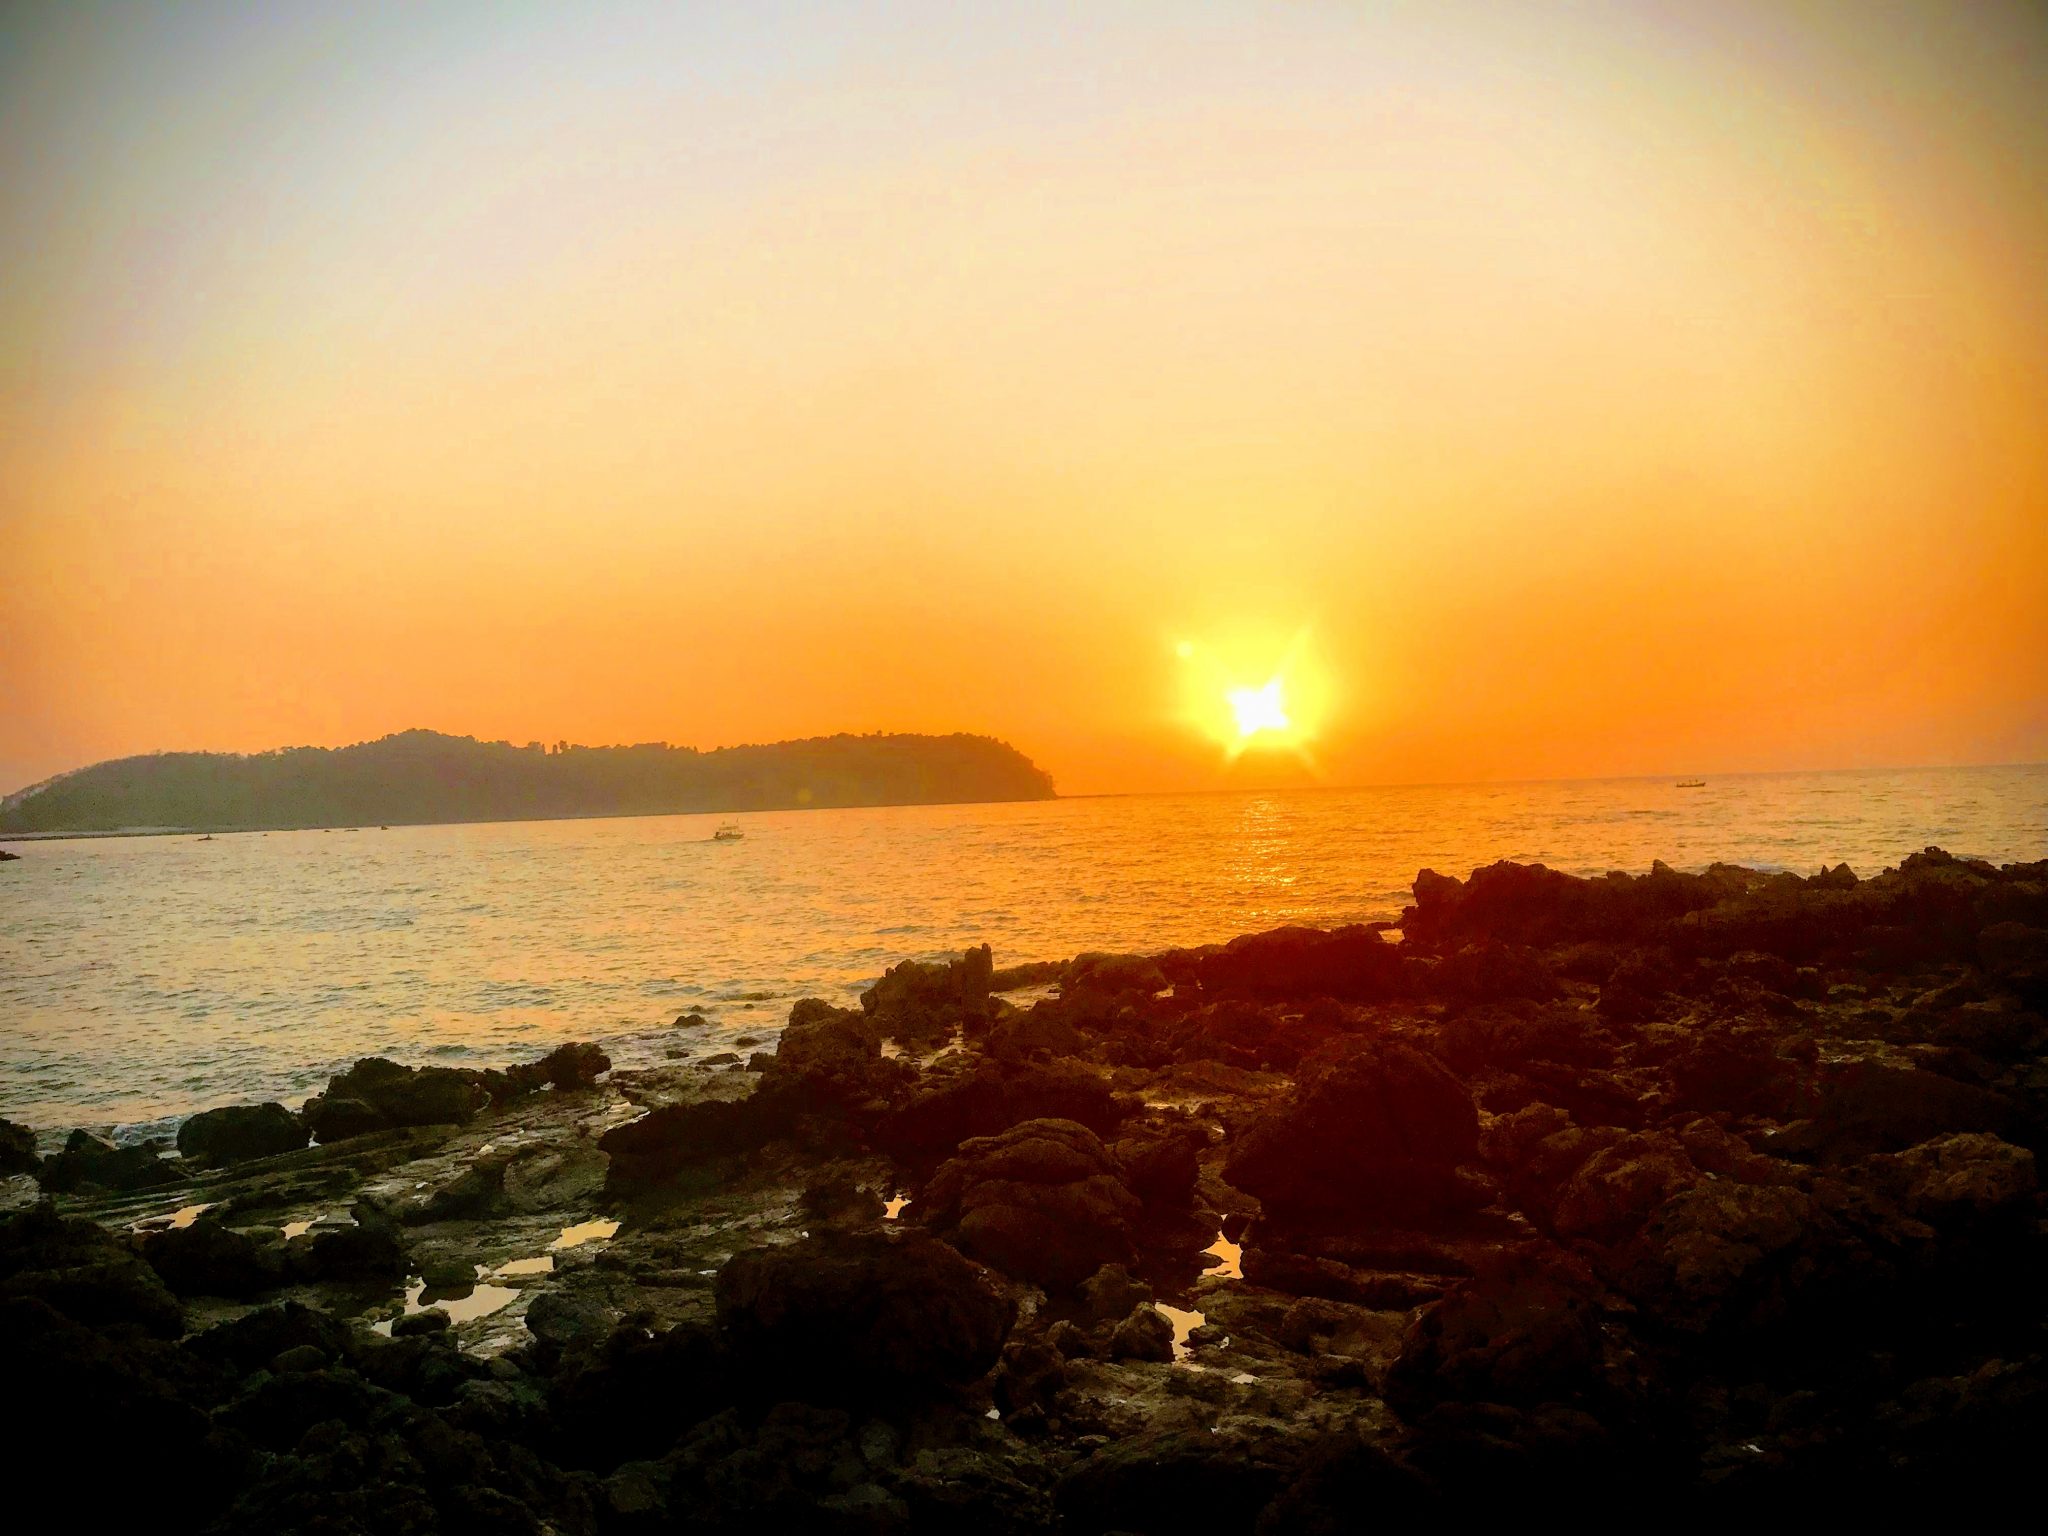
(1259, 709)
(1282, 716)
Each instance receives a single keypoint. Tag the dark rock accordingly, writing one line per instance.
(993, 1097)
(863, 1312)
(1524, 1334)
(839, 1204)
(1042, 1201)
(1144, 1335)
(1868, 1106)
(241, 1131)
(420, 1324)
(1381, 1130)
(631, 1397)
(565, 1320)
(17, 1149)
(1529, 904)
(1353, 963)
(99, 1393)
(1173, 1483)
(476, 1194)
(206, 1258)
(1492, 1038)
(1043, 1031)
(369, 1250)
(1160, 1169)
(300, 1357)
(1113, 975)
(1961, 1182)
(1339, 1477)
(90, 1161)
(78, 1268)
(1110, 1293)
(1323, 1278)
(1737, 1068)
(376, 1094)
(651, 1150)
(928, 1002)
(269, 1333)
(1491, 973)
(566, 1068)
(2017, 956)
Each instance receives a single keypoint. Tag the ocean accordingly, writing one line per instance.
(142, 979)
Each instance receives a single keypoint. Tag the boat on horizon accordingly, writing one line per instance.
(1692, 783)
(727, 834)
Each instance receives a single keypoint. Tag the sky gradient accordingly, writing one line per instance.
(1622, 389)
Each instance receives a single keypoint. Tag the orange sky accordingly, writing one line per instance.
(1657, 390)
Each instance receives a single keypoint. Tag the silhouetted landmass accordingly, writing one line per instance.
(424, 776)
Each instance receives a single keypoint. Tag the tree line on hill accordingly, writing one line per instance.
(423, 776)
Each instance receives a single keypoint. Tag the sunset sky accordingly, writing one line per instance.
(1549, 391)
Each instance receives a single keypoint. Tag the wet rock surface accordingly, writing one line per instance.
(1715, 1189)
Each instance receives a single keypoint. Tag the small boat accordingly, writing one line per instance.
(206, 839)
(727, 834)
(1692, 783)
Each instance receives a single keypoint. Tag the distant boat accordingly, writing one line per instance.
(1692, 783)
(727, 834)
(206, 839)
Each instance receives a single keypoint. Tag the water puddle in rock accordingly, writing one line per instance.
(292, 1229)
(184, 1216)
(893, 1206)
(1229, 1258)
(1185, 1321)
(584, 1232)
(461, 1305)
(544, 1265)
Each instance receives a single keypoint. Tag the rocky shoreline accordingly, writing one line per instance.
(1718, 1190)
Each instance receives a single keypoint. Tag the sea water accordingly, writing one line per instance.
(142, 979)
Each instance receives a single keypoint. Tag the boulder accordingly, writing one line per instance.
(109, 1416)
(854, 1313)
(376, 1094)
(1352, 963)
(649, 1151)
(2017, 956)
(17, 1149)
(209, 1259)
(239, 1132)
(1144, 1335)
(80, 1269)
(1616, 1189)
(1872, 1106)
(1110, 1293)
(90, 1161)
(259, 1337)
(1163, 1480)
(565, 1068)
(1161, 1168)
(1380, 1130)
(369, 1250)
(1527, 1333)
(994, 1096)
(1113, 975)
(927, 1001)
(1043, 1201)
(1961, 1181)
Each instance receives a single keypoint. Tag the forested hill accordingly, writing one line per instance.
(423, 776)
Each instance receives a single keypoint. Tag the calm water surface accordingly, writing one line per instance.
(144, 978)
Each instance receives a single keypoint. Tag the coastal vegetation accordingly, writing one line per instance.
(424, 776)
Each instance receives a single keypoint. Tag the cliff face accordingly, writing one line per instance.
(423, 776)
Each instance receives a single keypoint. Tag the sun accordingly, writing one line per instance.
(1259, 709)
(1224, 699)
